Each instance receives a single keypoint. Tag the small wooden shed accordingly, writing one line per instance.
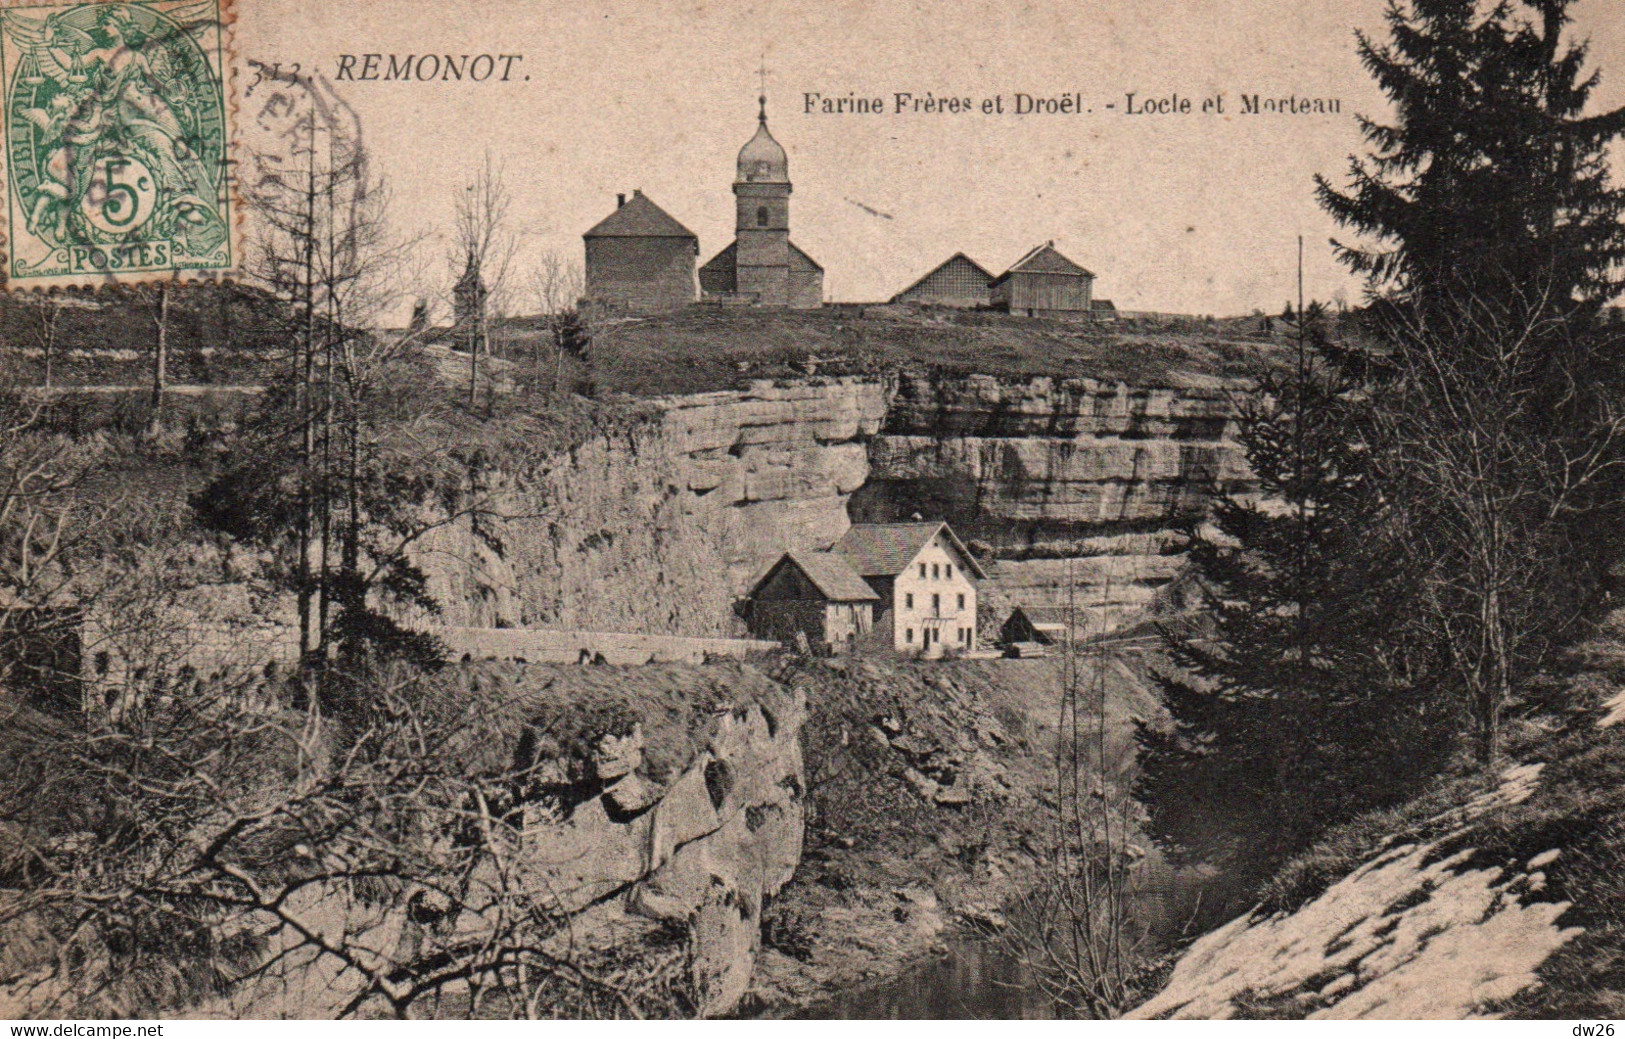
(1044, 625)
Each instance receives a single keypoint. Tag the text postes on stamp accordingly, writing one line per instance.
(116, 141)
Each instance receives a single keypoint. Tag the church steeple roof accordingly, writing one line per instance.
(762, 160)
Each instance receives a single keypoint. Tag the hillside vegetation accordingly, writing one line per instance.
(1488, 894)
(702, 349)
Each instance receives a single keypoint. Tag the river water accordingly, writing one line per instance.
(974, 980)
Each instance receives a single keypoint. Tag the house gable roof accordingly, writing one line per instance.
(945, 264)
(831, 574)
(886, 549)
(1044, 259)
(639, 218)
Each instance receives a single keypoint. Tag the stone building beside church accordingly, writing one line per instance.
(640, 259)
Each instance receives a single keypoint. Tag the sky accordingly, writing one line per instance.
(1190, 213)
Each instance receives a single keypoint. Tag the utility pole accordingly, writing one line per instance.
(306, 383)
(160, 356)
(1299, 475)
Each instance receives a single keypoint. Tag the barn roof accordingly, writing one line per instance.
(833, 576)
(886, 549)
(1048, 616)
(983, 271)
(639, 218)
(1044, 259)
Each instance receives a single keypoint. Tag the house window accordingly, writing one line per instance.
(948, 571)
(961, 600)
(761, 216)
(922, 570)
(908, 634)
(936, 603)
(935, 572)
(908, 601)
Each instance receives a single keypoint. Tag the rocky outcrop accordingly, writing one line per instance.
(624, 846)
(1074, 487)
(702, 853)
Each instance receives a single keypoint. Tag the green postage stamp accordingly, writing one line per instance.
(118, 126)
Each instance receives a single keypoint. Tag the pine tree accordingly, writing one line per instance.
(1491, 179)
(1295, 700)
(1496, 237)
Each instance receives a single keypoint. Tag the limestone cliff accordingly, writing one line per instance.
(1073, 482)
(661, 526)
(663, 807)
(702, 853)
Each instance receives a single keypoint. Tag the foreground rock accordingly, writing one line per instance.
(704, 855)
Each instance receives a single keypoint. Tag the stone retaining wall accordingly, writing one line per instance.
(541, 646)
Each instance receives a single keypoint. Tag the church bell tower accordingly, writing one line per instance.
(762, 217)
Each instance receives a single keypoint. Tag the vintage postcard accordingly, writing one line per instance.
(825, 510)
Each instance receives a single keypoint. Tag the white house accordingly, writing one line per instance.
(926, 580)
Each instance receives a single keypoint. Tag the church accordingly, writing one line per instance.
(640, 259)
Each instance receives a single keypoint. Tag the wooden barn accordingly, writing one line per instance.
(816, 594)
(1044, 284)
(958, 281)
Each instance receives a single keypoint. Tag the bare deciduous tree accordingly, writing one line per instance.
(556, 289)
(212, 850)
(44, 311)
(1493, 439)
(484, 244)
(1079, 930)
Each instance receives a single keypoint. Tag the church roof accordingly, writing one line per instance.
(796, 251)
(727, 259)
(639, 218)
(886, 549)
(1044, 259)
(722, 261)
(762, 160)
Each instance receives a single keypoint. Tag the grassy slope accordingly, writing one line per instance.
(702, 349)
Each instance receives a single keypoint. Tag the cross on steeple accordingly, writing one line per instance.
(762, 97)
